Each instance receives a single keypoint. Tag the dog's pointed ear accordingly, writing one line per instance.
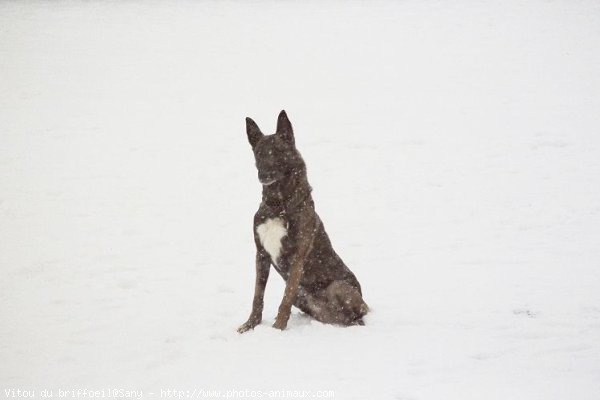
(284, 127)
(253, 132)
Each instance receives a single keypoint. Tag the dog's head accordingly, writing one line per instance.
(276, 155)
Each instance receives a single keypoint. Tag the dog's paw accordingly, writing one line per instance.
(248, 325)
(281, 325)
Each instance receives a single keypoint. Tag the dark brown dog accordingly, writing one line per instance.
(290, 235)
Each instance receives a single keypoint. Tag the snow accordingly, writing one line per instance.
(454, 153)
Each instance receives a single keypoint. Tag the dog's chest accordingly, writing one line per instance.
(270, 234)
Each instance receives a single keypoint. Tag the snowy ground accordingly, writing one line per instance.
(454, 152)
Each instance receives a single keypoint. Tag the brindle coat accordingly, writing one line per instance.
(317, 280)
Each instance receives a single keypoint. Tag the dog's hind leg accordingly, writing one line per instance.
(340, 303)
(346, 303)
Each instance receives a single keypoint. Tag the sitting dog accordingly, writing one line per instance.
(289, 234)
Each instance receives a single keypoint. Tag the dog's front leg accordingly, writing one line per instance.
(262, 275)
(306, 235)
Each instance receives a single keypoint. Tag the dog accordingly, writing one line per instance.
(289, 235)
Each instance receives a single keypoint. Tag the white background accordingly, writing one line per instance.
(454, 152)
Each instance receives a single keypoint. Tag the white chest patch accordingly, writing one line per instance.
(270, 234)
